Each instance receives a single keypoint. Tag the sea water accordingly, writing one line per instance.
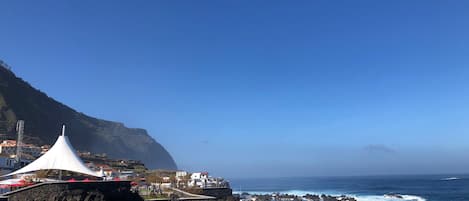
(367, 188)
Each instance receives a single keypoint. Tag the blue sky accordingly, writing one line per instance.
(261, 88)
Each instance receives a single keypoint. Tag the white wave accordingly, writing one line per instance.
(450, 178)
(383, 198)
(290, 192)
(358, 197)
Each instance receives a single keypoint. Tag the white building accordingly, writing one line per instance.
(199, 175)
(181, 174)
(8, 147)
(126, 174)
(203, 180)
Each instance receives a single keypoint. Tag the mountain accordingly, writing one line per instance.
(44, 116)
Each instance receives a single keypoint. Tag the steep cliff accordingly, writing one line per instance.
(44, 117)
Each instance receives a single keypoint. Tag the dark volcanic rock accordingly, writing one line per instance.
(76, 191)
(44, 117)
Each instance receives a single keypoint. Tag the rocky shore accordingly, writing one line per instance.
(290, 197)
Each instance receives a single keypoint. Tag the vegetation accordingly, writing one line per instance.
(154, 178)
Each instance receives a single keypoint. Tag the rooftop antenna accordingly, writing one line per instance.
(63, 130)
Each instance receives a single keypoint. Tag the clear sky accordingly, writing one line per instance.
(261, 88)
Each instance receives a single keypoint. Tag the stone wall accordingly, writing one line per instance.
(219, 193)
(76, 191)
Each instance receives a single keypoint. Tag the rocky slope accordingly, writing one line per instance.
(44, 117)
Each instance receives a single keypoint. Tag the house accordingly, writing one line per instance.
(7, 163)
(203, 180)
(199, 175)
(8, 147)
(181, 174)
(44, 149)
(127, 174)
(106, 170)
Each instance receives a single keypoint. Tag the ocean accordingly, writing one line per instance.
(365, 188)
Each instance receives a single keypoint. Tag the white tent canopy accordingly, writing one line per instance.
(61, 156)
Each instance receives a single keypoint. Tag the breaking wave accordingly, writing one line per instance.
(450, 178)
(383, 198)
(358, 197)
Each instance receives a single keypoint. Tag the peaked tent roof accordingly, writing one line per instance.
(61, 156)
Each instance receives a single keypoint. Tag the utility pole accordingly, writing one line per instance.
(19, 141)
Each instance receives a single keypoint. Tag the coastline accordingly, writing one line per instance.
(304, 194)
(454, 187)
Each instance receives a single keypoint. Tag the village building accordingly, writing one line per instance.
(7, 162)
(8, 147)
(181, 174)
(203, 180)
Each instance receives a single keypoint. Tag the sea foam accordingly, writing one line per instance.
(289, 192)
(450, 178)
(382, 198)
(358, 197)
